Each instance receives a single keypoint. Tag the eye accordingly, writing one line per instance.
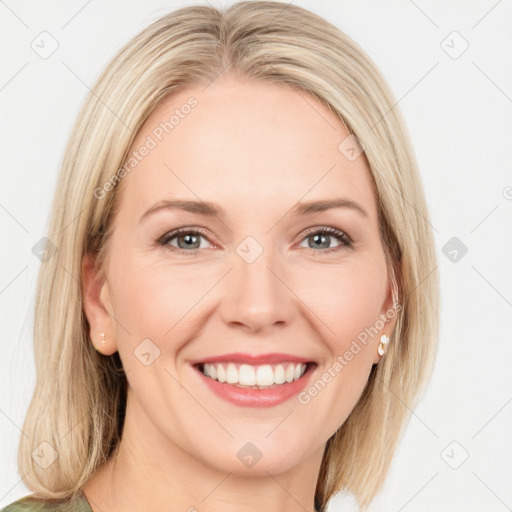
(187, 240)
(321, 238)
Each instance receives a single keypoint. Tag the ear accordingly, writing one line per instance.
(389, 315)
(97, 307)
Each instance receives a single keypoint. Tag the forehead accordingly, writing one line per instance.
(244, 145)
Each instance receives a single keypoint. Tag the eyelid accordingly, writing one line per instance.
(186, 229)
(330, 230)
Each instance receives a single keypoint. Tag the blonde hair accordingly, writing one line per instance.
(80, 395)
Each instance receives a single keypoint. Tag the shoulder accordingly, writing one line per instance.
(33, 504)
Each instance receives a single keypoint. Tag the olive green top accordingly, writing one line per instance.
(31, 504)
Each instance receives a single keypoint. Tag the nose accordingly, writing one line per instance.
(258, 295)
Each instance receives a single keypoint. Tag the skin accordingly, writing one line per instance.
(255, 149)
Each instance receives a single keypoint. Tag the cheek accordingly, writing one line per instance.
(349, 299)
(349, 303)
(359, 299)
(154, 298)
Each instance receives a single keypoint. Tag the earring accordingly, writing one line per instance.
(384, 340)
(103, 340)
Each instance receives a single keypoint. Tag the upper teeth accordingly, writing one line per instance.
(248, 375)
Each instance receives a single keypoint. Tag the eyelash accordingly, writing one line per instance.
(346, 241)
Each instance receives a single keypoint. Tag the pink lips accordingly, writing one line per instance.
(255, 360)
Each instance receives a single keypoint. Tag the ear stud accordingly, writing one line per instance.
(384, 340)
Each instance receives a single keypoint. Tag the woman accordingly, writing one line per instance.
(241, 312)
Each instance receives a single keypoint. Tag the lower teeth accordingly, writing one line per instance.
(255, 387)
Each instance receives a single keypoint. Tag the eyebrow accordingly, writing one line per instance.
(320, 206)
(211, 209)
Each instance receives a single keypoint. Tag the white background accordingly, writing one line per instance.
(458, 111)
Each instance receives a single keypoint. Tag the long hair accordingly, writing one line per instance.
(78, 405)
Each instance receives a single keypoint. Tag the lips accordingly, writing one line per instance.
(256, 395)
(254, 360)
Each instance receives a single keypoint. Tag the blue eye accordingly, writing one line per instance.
(189, 240)
(186, 238)
(322, 236)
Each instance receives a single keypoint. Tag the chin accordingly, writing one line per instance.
(257, 458)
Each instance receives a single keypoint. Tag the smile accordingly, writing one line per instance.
(269, 385)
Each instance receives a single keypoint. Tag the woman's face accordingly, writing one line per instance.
(260, 276)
